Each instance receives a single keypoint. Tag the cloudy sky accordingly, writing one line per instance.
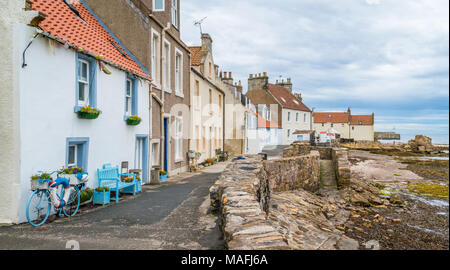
(390, 57)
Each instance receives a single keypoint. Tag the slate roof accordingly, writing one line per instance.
(286, 98)
(85, 32)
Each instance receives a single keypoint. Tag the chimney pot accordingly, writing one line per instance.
(265, 74)
(230, 75)
(251, 76)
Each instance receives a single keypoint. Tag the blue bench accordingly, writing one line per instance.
(110, 177)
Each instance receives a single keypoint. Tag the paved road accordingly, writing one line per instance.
(173, 217)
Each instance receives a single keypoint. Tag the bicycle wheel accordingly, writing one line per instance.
(72, 206)
(38, 208)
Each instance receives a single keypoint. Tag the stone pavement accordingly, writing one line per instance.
(172, 216)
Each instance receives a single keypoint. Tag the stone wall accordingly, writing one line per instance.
(300, 149)
(342, 166)
(234, 196)
(242, 195)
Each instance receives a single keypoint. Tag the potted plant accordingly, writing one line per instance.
(40, 181)
(209, 162)
(163, 176)
(138, 184)
(88, 112)
(71, 174)
(102, 196)
(86, 196)
(134, 120)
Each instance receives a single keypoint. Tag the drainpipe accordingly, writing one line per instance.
(163, 138)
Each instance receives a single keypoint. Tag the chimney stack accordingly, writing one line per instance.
(258, 82)
(227, 79)
(207, 42)
(287, 84)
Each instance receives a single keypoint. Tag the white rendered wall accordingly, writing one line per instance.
(293, 124)
(12, 21)
(48, 119)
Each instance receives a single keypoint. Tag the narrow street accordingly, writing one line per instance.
(171, 217)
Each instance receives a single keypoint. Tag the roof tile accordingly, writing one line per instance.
(86, 33)
(287, 99)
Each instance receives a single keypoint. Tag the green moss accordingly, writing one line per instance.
(434, 190)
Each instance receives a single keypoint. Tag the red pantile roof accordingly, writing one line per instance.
(196, 55)
(86, 34)
(331, 117)
(286, 98)
(364, 120)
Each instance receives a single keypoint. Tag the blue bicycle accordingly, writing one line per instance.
(40, 204)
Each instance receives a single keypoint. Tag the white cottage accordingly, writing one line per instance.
(60, 58)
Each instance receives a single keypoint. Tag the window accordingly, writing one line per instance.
(178, 139)
(289, 133)
(353, 128)
(297, 117)
(304, 118)
(323, 124)
(86, 81)
(83, 83)
(131, 107)
(343, 125)
(155, 57)
(210, 102)
(289, 116)
(158, 5)
(332, 125)
(197, 138)
(166, 67)
(175, 13)
(197, 97)
(72, 160)
(204, 139)
(178, 72)
(128, 97)
(77, 152)
(220, 104)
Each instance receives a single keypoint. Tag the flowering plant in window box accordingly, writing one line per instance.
(134, 120)
(40, 181)
(128, 179)
(75, 175)
(88, 112)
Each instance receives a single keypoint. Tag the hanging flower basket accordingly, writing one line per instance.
(88, 112)
(134, 120)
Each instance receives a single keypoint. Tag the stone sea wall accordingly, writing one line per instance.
(242, 194)
(342, 166)
(300, 149)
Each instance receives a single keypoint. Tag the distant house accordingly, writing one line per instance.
(73, 63)
(286, 108)
(207, 102)
(348, 126)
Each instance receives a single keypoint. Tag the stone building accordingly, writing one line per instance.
(207, 102)
(286, 108)
(355, 127)
(155, 41)
(235, 115)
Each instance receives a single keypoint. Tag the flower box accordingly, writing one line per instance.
(88, 112)
(134, 120)
(40, 184)
(86, 115)
(102, 197)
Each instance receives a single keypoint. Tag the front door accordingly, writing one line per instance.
(141, 157)
(166, 144)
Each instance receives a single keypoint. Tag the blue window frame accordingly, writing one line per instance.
(86, 81)
(77, 150)
(131, 96)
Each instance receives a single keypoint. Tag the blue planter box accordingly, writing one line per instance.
(163, 178)
(102, 197)
(139, 186)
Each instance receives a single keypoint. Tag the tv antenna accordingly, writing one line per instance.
(199, 24)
